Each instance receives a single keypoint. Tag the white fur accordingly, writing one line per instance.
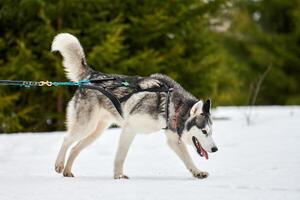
(72, 52)
(180, 149)
(197, 108)
(206, 141)
(144, 123)
(84, 133)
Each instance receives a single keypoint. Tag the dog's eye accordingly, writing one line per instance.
(204, 132)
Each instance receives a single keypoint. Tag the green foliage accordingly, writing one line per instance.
(143, 37)
(265, 33)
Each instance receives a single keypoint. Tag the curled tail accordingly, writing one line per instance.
(74, 61)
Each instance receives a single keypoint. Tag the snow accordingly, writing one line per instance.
(260, 161)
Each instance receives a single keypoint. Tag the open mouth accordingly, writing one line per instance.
(199, 148)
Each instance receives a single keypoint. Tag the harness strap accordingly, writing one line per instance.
(167, 108)
(115, 101)
(162, 88)
(102, 80)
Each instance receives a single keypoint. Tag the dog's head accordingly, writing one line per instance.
(199, 128)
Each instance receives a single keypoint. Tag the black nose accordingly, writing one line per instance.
(214, 149)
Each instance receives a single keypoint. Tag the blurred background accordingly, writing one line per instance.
(243, 52)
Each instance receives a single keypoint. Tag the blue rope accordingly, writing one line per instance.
(71, 83)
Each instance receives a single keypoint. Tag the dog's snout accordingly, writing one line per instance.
(214, 149)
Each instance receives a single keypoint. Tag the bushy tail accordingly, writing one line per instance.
(73, 55)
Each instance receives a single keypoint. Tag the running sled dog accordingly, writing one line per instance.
(147, 106)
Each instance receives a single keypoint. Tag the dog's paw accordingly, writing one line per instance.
(59, 167)
(121, 176)
(68, 174)
(200, 174)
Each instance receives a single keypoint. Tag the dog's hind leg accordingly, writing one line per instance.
(80, 123)
(102, 125)
(69, 139)
(74, 134)
(125, 141)
(182, 152)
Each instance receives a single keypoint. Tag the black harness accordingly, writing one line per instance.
(124, 82)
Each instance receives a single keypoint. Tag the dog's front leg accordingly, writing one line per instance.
(182, 152)
(125, 141)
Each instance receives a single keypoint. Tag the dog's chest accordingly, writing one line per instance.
(143, 123)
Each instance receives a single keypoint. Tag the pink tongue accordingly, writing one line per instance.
(204, 153)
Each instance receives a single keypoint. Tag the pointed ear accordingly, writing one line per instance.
(206, 106)
(197, 108)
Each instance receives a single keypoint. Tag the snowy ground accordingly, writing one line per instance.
(260, 161)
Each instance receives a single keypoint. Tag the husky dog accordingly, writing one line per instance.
(90, 112)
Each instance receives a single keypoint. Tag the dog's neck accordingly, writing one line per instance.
(179, 115)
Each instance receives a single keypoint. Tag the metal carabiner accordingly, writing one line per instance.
(48, 83)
